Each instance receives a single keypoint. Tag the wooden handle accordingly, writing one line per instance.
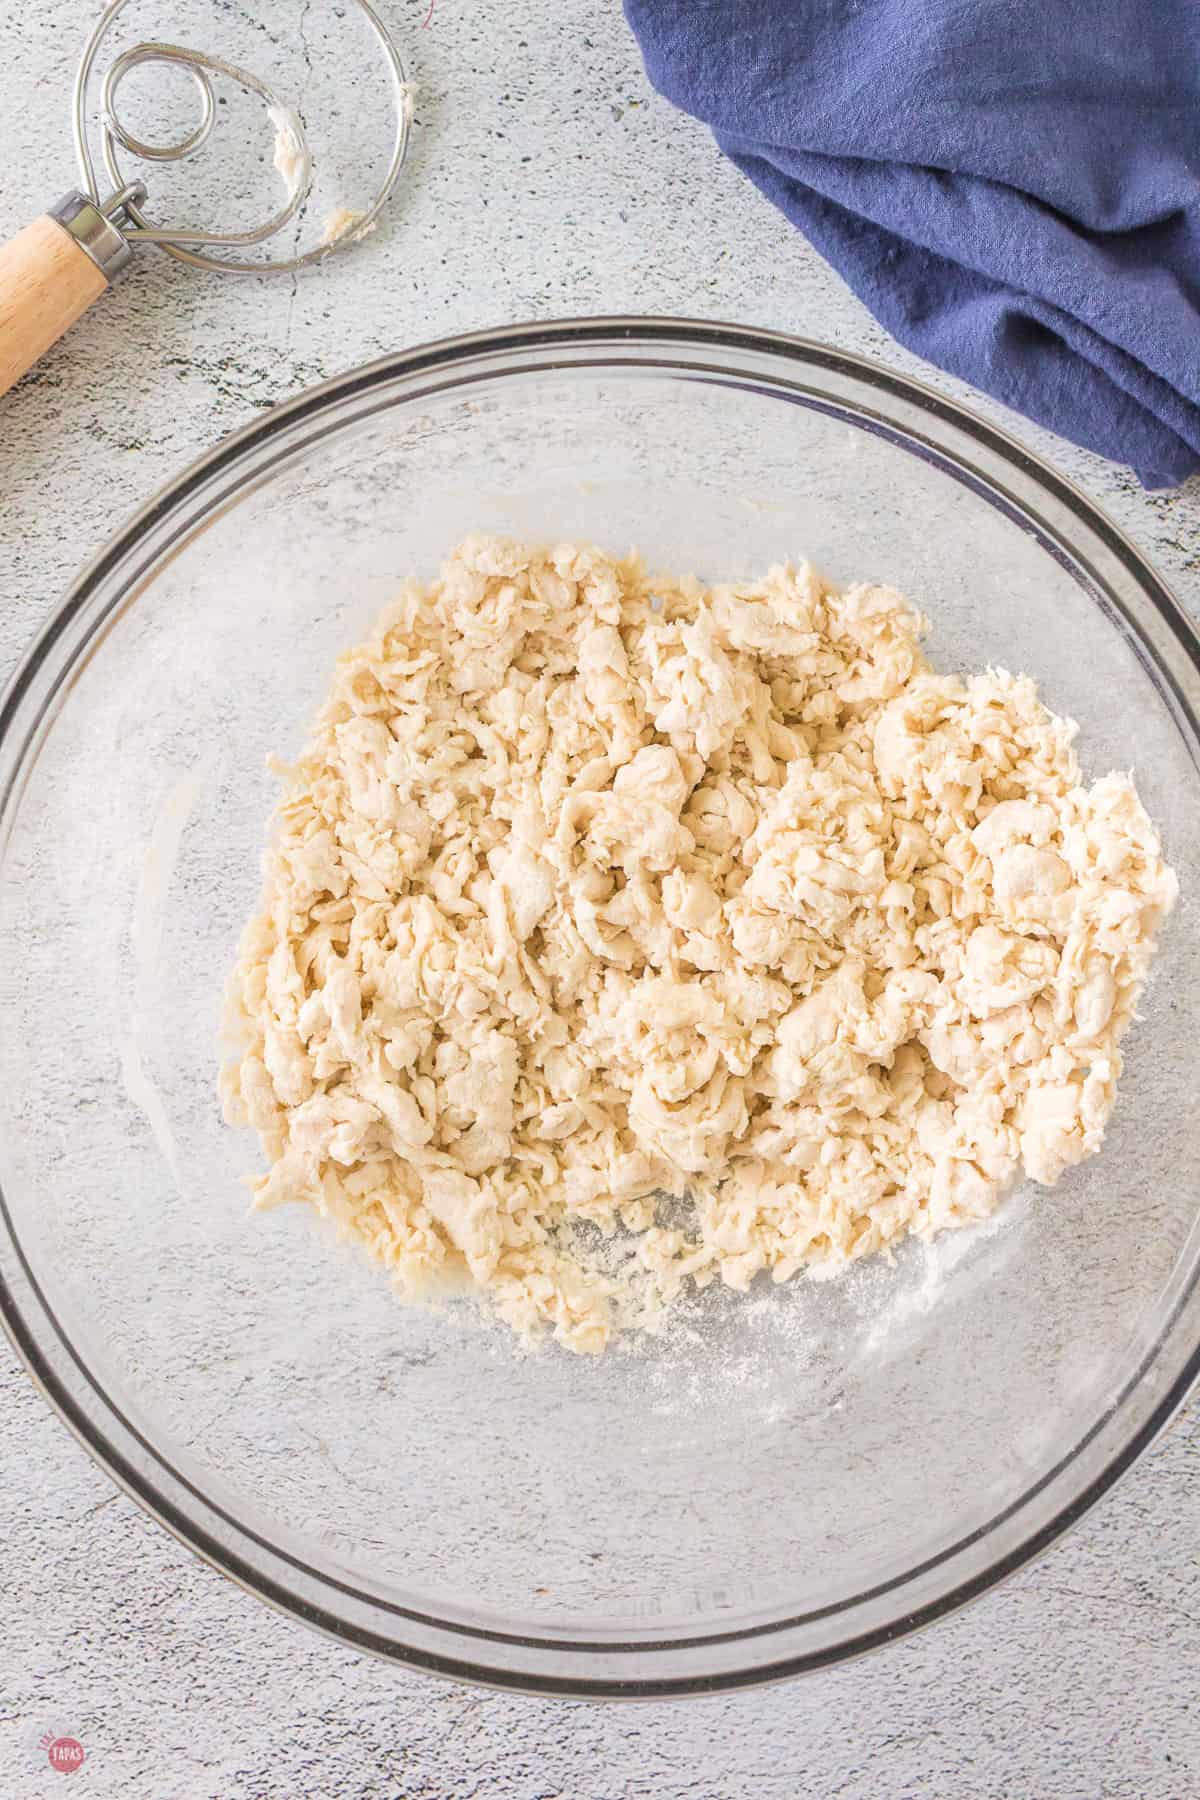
(46, 281)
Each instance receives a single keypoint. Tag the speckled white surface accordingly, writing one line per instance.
(545, 180)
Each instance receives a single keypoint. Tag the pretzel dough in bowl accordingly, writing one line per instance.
(620, 933)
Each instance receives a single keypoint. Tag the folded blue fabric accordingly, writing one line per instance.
(1012, 186)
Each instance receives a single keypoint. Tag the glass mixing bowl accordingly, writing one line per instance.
(779, 1481)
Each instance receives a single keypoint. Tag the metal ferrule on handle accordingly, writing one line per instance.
(93, 231)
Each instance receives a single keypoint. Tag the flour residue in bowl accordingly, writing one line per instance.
(622, 934)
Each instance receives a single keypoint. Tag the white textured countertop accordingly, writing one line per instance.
(546, 180)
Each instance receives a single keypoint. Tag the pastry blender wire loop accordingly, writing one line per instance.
(123, 204)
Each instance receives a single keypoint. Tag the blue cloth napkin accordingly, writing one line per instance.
(1012, 186)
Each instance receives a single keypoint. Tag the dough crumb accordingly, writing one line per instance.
(290, 158)
(343, 222)
(619, 934)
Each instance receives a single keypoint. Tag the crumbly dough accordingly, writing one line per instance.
(593, 890)
(291, 159)
(345, 222)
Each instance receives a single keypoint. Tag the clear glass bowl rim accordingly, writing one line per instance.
(978, 453)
